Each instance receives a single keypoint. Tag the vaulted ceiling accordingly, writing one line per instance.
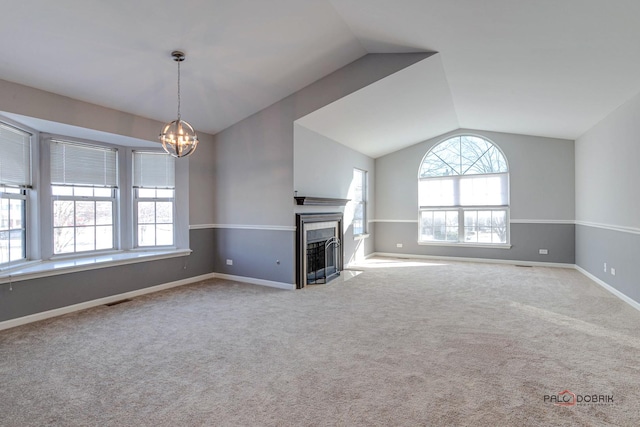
(547, 67)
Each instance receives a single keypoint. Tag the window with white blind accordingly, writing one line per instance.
(154, 198)
(463, 193)
(15, 182)
(84, 182)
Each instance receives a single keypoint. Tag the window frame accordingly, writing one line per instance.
(136, 200)
(80, 198)
(159, 186)
(458, 207)
(362, 202)
(31, 249)
(47, 198)
(23, 196)
(461, 227)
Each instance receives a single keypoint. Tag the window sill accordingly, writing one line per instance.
(361, 236)
(38, 269)
(467, 245)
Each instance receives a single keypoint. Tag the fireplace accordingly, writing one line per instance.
(318, 248)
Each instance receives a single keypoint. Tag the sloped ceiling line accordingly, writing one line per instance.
(409, 106)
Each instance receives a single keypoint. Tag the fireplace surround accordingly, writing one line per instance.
(319, 251)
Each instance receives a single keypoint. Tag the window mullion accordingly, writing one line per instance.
(456, 191)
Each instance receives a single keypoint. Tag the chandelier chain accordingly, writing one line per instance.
(179, 90)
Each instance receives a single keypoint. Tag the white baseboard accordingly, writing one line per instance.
(132, 294)
(633, 303)
(254, 281)
(100, 301)
(484, 260)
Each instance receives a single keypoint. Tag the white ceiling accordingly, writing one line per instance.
(400, 110)
(546, 67)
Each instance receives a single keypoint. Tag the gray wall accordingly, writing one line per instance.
(27, 101)
(541, 199)
(43, 294)
(201, 178)
(526, 239)
(33, 296)
(608, 199)
(275, 246)
(619, 249)
(254, 164)
(324, 168)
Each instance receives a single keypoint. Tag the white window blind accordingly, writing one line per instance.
(153, 170)
(15, 161)
(437, 192)
(461, 190)
(83, 164)
(487, 190)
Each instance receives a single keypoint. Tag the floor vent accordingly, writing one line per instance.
(111, 304)
(524, 266)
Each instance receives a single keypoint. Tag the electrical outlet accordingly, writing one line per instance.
(605, 267)
(543, 251)
(398, 245)
(613, 271)
(229, 262)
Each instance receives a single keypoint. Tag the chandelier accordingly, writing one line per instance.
(178, 137)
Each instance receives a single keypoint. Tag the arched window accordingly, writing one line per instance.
(463, 193)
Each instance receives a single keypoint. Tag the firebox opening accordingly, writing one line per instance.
(322, 260)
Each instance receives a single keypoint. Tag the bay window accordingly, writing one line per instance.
(69, 203)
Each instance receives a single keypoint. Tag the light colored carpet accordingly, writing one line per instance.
(404, 343)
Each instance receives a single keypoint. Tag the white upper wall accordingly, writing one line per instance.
(607, 171)
(324, 168)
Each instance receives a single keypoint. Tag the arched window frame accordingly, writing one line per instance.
(450, 213)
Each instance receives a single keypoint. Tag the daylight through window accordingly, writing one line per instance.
(15, 182)
(83, 186)
(360, 200)
(154, 195)
(463, 193)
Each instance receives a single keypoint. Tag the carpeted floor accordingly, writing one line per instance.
(406, 343)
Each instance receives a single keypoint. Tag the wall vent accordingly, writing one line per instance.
(111, 304)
